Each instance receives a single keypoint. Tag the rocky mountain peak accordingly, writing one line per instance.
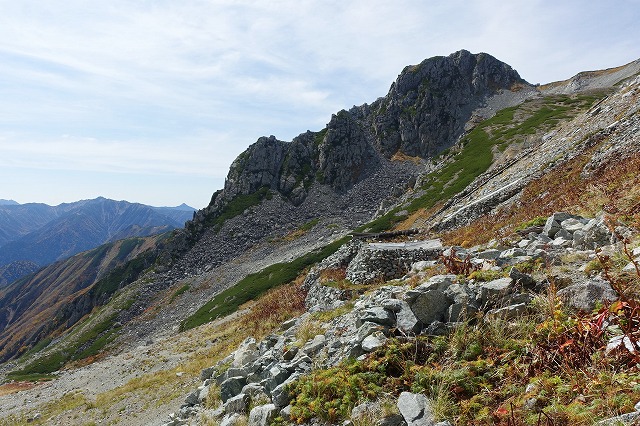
(429, 104)
(425, 111)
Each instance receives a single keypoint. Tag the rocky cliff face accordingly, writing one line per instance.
(428, 106)
(425, 111)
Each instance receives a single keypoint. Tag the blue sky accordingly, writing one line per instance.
(150, 101)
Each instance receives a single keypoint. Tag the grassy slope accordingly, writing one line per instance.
(475, 152)
(254, 285)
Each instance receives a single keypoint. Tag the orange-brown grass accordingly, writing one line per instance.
(401, 156)
(333, 274)
(418, 218)
(274, 307)
(9, 388)
(613, 188)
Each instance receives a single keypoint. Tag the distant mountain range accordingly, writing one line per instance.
(41, 234)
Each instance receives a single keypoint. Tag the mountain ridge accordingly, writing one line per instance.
(273, 212)
(43, 234)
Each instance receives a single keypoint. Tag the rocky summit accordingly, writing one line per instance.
(462, 251)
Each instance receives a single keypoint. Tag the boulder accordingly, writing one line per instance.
(373, 341)
(231, 419)
(492, 292)
(377, 315)
(489, 254)
(372, 410)
(262, 415)
(508, 312)
(246, 353)
(553, 224)
(416, 409)
(406, 320)
(438, 282)
(315, 345)
(430, 306)
(596, 233)
(460, 312)
(586, 295)
(275, 376)
(280, 396)
(572, 224)
(255, 391)
(237, 404)
(232, 387)
(521, 279)
(285, 413)
(192, 398)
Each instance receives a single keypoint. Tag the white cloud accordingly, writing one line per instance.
(182, 87)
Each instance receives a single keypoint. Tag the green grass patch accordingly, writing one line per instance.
(89, 343)
(237, 206)
(179, 292)
(476, 153)
(38, 347)
(309, 225)
(127, 246)
(256, 284)
(124, 274)
(536, 221)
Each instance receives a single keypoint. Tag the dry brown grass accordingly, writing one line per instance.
(333, 274)
(273, 308)
(613, 188)
(401, 156)
(9, 388)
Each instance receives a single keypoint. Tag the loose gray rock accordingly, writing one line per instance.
(522, 279)
(572, 224)
(262, 415)
(585, 296)
(378, 315)
(416, 409)
(285, 413)
(192, 398)
(237, 404)
(315, 345)
(508, 312)
(430, 306)
(232, 387)
(490, 254)
(255, 391)
(373, 341)
(247, 352)
(406, 321)
(280, 396)
(493, 292)
(623, 419)
(231, 419)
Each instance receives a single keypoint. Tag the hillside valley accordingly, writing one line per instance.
(424, 259)
(41, 234)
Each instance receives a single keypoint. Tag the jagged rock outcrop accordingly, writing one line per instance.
(428, 106)
(425, 111)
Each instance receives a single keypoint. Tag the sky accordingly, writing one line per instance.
(151, 100)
